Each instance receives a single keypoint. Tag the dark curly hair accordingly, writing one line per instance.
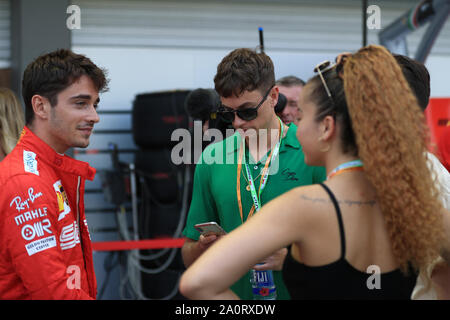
(51, 73)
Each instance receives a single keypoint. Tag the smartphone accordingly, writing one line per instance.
(209, 228)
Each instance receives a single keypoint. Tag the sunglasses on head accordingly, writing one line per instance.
(248, 114)
(321, 68)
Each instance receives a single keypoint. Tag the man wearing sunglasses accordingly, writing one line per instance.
(238, 175)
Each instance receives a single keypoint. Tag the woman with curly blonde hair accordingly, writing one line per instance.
(12, 121)
(377, 220)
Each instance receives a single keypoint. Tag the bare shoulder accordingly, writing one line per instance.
(311, 203)
(345, 195)
(311, 195)
(298, 210)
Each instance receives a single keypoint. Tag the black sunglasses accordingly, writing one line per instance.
(227, 114)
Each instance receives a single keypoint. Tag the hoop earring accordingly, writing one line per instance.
(327, 147)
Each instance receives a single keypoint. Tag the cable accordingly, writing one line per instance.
(108, 265)
(137, 264)
(183, 213)
(133, 265)
(133, 257)
(142, 296)
(180, 225)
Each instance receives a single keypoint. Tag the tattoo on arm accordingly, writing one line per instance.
(340, 202)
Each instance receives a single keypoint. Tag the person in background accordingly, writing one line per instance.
(229, 170)
(378, 214)
(419, 80)
(291, 87)
(11, 121)
(45, 246)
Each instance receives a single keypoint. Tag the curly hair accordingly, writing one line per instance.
(391, 138)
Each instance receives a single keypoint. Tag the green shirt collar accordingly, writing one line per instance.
(289, 140)
(291, 137)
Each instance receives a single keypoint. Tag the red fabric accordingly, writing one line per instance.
(45, 247)
(141, 244)
(438, 115)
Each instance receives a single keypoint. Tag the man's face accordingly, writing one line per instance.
(251, 99)
(308, 129)
(291, 112)
(71, 121)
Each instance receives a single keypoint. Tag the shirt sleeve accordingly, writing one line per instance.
(203, 206)
(30, 235)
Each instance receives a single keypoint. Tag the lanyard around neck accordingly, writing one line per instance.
(355, 165)
(256, 196)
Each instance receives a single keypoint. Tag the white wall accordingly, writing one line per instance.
(164, 45)
(439, 69)
(137, 70)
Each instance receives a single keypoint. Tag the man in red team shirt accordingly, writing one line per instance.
(45, 247)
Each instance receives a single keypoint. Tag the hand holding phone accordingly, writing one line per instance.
(209, 228)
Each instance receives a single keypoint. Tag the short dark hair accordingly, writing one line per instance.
(290, 81)
(51, 73)
(418, 78)
(244, 70)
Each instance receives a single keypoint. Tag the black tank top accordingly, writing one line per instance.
(340, 280)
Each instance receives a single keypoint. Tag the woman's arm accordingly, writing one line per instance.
(278, 224)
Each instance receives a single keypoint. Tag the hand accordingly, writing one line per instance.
(205, 241)
(273, 262)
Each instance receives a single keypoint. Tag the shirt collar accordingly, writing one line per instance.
(46, 154)
(289, 140)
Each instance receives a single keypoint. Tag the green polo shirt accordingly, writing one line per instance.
(214, 195)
